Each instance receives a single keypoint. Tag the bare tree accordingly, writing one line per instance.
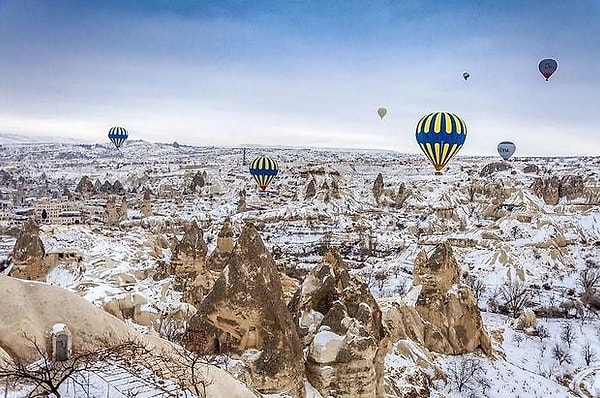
(466, 373)
(542, 332)
(190, 370)
(589, 279)
(46, 375)
(477, 286)
(513, 297)
(561, 354)
(567, 333)
(518, 338)
(588, 353)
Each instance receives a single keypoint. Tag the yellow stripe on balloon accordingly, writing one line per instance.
(428, 151)
(437, 127)
(448, 123)
(428, 123)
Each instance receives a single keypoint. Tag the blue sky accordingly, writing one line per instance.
(302, 73)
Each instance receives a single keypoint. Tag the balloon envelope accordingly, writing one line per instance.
(547, 67)
(440, 136)
(118, 135)
(506, 149)
(466, 75)
(381, 112)
(263, 169)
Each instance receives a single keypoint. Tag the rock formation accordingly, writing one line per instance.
(311, 189)
(106, 187)
(241, 205)
(111, 215)
(494, 167)
(571, 187)
(197, 183)
(117, 188)
(245, 314)
(378, 187)
(531, 168)
(146, 204)
(401, 196)
(551, 189)
(218, 258)
(526, 320)
(335, 189)
(453, 323)
(123, 209)
(340, 322)
(85, 187)
(28, 253)
(188, 265)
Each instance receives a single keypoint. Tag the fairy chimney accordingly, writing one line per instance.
(111, 215)
(245, 314)
(188, 265)
(218, 258)
(378, 187)
(453, 323)
(340, 323)
(28, 253)
(311, 189)
(85, 187)
(146, 204)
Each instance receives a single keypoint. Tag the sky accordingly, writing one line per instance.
(303, 73)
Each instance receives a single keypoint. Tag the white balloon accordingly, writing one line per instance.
(506, 149)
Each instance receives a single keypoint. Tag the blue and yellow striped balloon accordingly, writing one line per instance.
(263, 169)
(440, 136)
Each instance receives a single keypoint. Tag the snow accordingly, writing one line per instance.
(522, 241)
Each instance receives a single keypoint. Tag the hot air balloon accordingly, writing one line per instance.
(381, 112)
(441, 135)
(547, 67)
(117, 135)
(466, 75)
(263, 169)
(506, 149)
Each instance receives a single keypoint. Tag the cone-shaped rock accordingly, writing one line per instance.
(218, 258)
(28, 253)
(311, 189)
(245, 313)
(188, 264)
(378, 187)
(453, 323)
(85, 186)
(339, 321)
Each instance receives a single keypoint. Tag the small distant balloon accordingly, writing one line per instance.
(117, 135)
(466, 75)
(547, 67)
(263, 169)
(381, 112)
(506, 149)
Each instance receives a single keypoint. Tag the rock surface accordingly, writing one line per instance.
(453, 323)
(340, 322)
(245, 314)
(28, 253)
(188, 265)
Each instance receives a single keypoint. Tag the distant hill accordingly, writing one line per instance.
(12, 138)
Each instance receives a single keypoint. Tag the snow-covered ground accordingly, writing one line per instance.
(521, 238)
